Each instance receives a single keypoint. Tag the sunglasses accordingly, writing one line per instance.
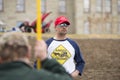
(63, 25)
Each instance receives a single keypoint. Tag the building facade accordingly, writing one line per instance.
(86, 16)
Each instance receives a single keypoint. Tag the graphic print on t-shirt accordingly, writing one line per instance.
(61, 54)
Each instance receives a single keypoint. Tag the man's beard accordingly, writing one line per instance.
(62, 34)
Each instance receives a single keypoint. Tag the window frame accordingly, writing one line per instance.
(87, 27)
(43, 6)
(98, 5)
(20, 5)
(118, 6)
(106, 6)
(106, 27)
(2, 6)
(118, 27)
(62, 8)
(88, 7)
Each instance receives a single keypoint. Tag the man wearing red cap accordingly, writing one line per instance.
(65, 50)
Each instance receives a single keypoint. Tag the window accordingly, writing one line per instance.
(62, 6)
(86, 27)
(118, 6)
(43, 6)
(99, 6)
(20, 7)
(99, 27)
(108, 6)
(86, 6)
(118, 28)
(1, 5)
(108, 27)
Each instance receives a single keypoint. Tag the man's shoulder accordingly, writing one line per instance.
(71, 40)
(49, 38)
(48, 41)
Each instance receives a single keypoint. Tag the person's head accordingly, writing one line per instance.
(26, 23)
(14, 46)
(61, 25)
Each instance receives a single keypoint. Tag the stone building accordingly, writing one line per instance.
(86, 16)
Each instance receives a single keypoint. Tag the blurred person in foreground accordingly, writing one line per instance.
(65, 50)
(15, 53)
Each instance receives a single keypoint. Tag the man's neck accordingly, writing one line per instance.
(26, 60)
(59, 37)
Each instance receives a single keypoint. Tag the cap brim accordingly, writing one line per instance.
(65, 22)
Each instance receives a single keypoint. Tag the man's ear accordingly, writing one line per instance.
(29, 52)
(0, 60)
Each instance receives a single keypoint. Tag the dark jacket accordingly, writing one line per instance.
(17, 70)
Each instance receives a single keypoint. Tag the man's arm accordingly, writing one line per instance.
(80, 63)
(56, 70)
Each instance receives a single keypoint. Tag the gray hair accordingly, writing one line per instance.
(13, 44)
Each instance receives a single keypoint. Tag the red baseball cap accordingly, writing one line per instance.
(61, 19)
